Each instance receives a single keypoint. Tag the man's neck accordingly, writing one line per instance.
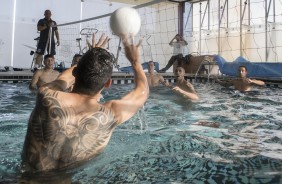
(180, 80)
(151, 72)
(95, 97)
(48, 69)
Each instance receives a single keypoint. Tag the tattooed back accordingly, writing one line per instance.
(63, 133)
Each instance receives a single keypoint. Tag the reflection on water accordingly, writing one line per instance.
(225, 137)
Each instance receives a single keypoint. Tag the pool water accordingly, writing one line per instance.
(225, 137)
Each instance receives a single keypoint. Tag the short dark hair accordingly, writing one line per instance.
(151, 62)
(179, 67)
(77, 55)
(47, 11)
(93, 71)
(242, 66)
(48, 56)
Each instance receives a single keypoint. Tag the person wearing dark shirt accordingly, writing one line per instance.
(44, 25)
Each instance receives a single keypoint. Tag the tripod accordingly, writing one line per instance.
(34, 53)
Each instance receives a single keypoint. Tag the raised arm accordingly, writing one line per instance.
(34, 80)
(185, 42)
(171, 41)
(126, 107)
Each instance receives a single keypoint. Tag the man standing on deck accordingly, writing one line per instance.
(44, 26)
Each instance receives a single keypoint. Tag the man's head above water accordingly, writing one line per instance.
(93, 71)
(242, 71)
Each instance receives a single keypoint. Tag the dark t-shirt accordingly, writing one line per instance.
(45, 32)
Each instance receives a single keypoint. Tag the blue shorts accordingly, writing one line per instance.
(41, 48)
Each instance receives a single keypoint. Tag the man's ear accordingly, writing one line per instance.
(108, 83)
(74, 71)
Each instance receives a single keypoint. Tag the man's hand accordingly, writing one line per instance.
(58, 42)
(166, 83)
(176, 89)
(250, 81)
(49, 24)
(132, 51)
(102, 42)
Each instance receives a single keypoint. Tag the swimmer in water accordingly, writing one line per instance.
(183, 87)
(242, 83)
(45, 75)
(68, 129)
(154, 79)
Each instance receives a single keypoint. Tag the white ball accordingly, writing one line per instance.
(125, 21)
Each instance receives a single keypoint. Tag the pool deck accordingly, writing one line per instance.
(127, 78)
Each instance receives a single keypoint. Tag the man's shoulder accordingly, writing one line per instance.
(56, 72)
(42, 20)
(55, 23)
(38, 72)
(158, 75)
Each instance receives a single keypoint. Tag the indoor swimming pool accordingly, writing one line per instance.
(225, 137)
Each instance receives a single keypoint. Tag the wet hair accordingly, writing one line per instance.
(242, 66)
(179, 67)
(93, 71)
(77, 55)
(48, 56)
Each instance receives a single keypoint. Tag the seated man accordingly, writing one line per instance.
(242, 83)
(75, 59)
(178, 47)
(45, 75)
(68, 129)
(184, 87)
(154, 79)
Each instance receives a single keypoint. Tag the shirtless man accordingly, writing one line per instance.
(184, 87)
(242, 83)
(68, 129)
(154, 79)
(45, 75)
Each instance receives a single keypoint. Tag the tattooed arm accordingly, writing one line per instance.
(134, 100)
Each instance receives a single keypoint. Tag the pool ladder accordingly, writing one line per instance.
(207, 59)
